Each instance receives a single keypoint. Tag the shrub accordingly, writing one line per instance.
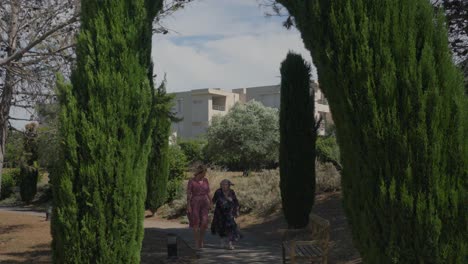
(177, 167)
(9, 181)
(29, 176)
(14, 148)
(247, 138)
(328, 179)
(193, 149)
(327, 150)
(258, 193)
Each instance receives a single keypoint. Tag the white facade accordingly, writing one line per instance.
(197, 107)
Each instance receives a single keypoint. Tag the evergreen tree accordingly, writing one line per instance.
(400, 113)
(297, 166)
(29, 172)
(99, 192)
(158, 166)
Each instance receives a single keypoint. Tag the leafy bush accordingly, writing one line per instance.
(48, 140)
(193, 149)
(327, 150)
(327, 178)
(247, 138)
(9, 180)
(177, 167)
(14, 148)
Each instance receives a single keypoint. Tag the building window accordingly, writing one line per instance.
(219, 103)
(180, 105)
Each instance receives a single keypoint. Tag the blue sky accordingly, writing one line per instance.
(219, 44)
(223, 44)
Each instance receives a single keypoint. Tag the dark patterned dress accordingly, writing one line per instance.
(226, 209)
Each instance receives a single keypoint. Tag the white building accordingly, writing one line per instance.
(197, 107)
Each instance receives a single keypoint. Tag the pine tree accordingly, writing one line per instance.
(400, 113)
(297, 163)
(99, 192)
(158, 165)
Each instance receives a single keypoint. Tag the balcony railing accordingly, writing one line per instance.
(219, 107)
(322, 101)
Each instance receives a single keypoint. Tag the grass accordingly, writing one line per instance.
(41, 200)
(258, 194)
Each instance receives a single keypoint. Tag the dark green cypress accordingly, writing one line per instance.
(400, 112)
(29, 175)
(29, 172)
(297, 163)
(158, 165)
(99, 192)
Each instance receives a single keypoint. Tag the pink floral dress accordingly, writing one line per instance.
(198, 198)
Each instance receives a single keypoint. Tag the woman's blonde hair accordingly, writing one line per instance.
(200, 168)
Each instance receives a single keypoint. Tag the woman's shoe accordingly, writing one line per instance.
(230, 246)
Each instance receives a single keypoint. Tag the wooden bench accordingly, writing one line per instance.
(309, 244)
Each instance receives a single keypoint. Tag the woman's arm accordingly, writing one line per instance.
(236, 203)
(208, 194)
(215, 197)
(189, 195)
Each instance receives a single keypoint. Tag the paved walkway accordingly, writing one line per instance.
(249, 250)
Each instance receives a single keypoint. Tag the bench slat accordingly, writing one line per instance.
(317, 251)
(303, 250)
(310, 251)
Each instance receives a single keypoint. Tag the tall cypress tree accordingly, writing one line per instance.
(99, 192)
(297, 163)
(400, 113)
(158, 165)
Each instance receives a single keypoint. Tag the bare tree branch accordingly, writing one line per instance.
(19, 119)
(31, 45)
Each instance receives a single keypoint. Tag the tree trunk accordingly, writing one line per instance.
(2, 150)
(7, 93)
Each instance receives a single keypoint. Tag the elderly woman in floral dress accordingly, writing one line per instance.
(226, 210)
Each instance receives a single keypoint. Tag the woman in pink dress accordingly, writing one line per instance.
(198, 204)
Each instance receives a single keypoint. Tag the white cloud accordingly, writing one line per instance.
(223, 43)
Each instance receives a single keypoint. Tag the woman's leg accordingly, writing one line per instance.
(204, 209)
(202, 237)
(196, 234)
(195, 222)
(230, 239)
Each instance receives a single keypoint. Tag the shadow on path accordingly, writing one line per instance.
(36, 254)
(248, 250)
